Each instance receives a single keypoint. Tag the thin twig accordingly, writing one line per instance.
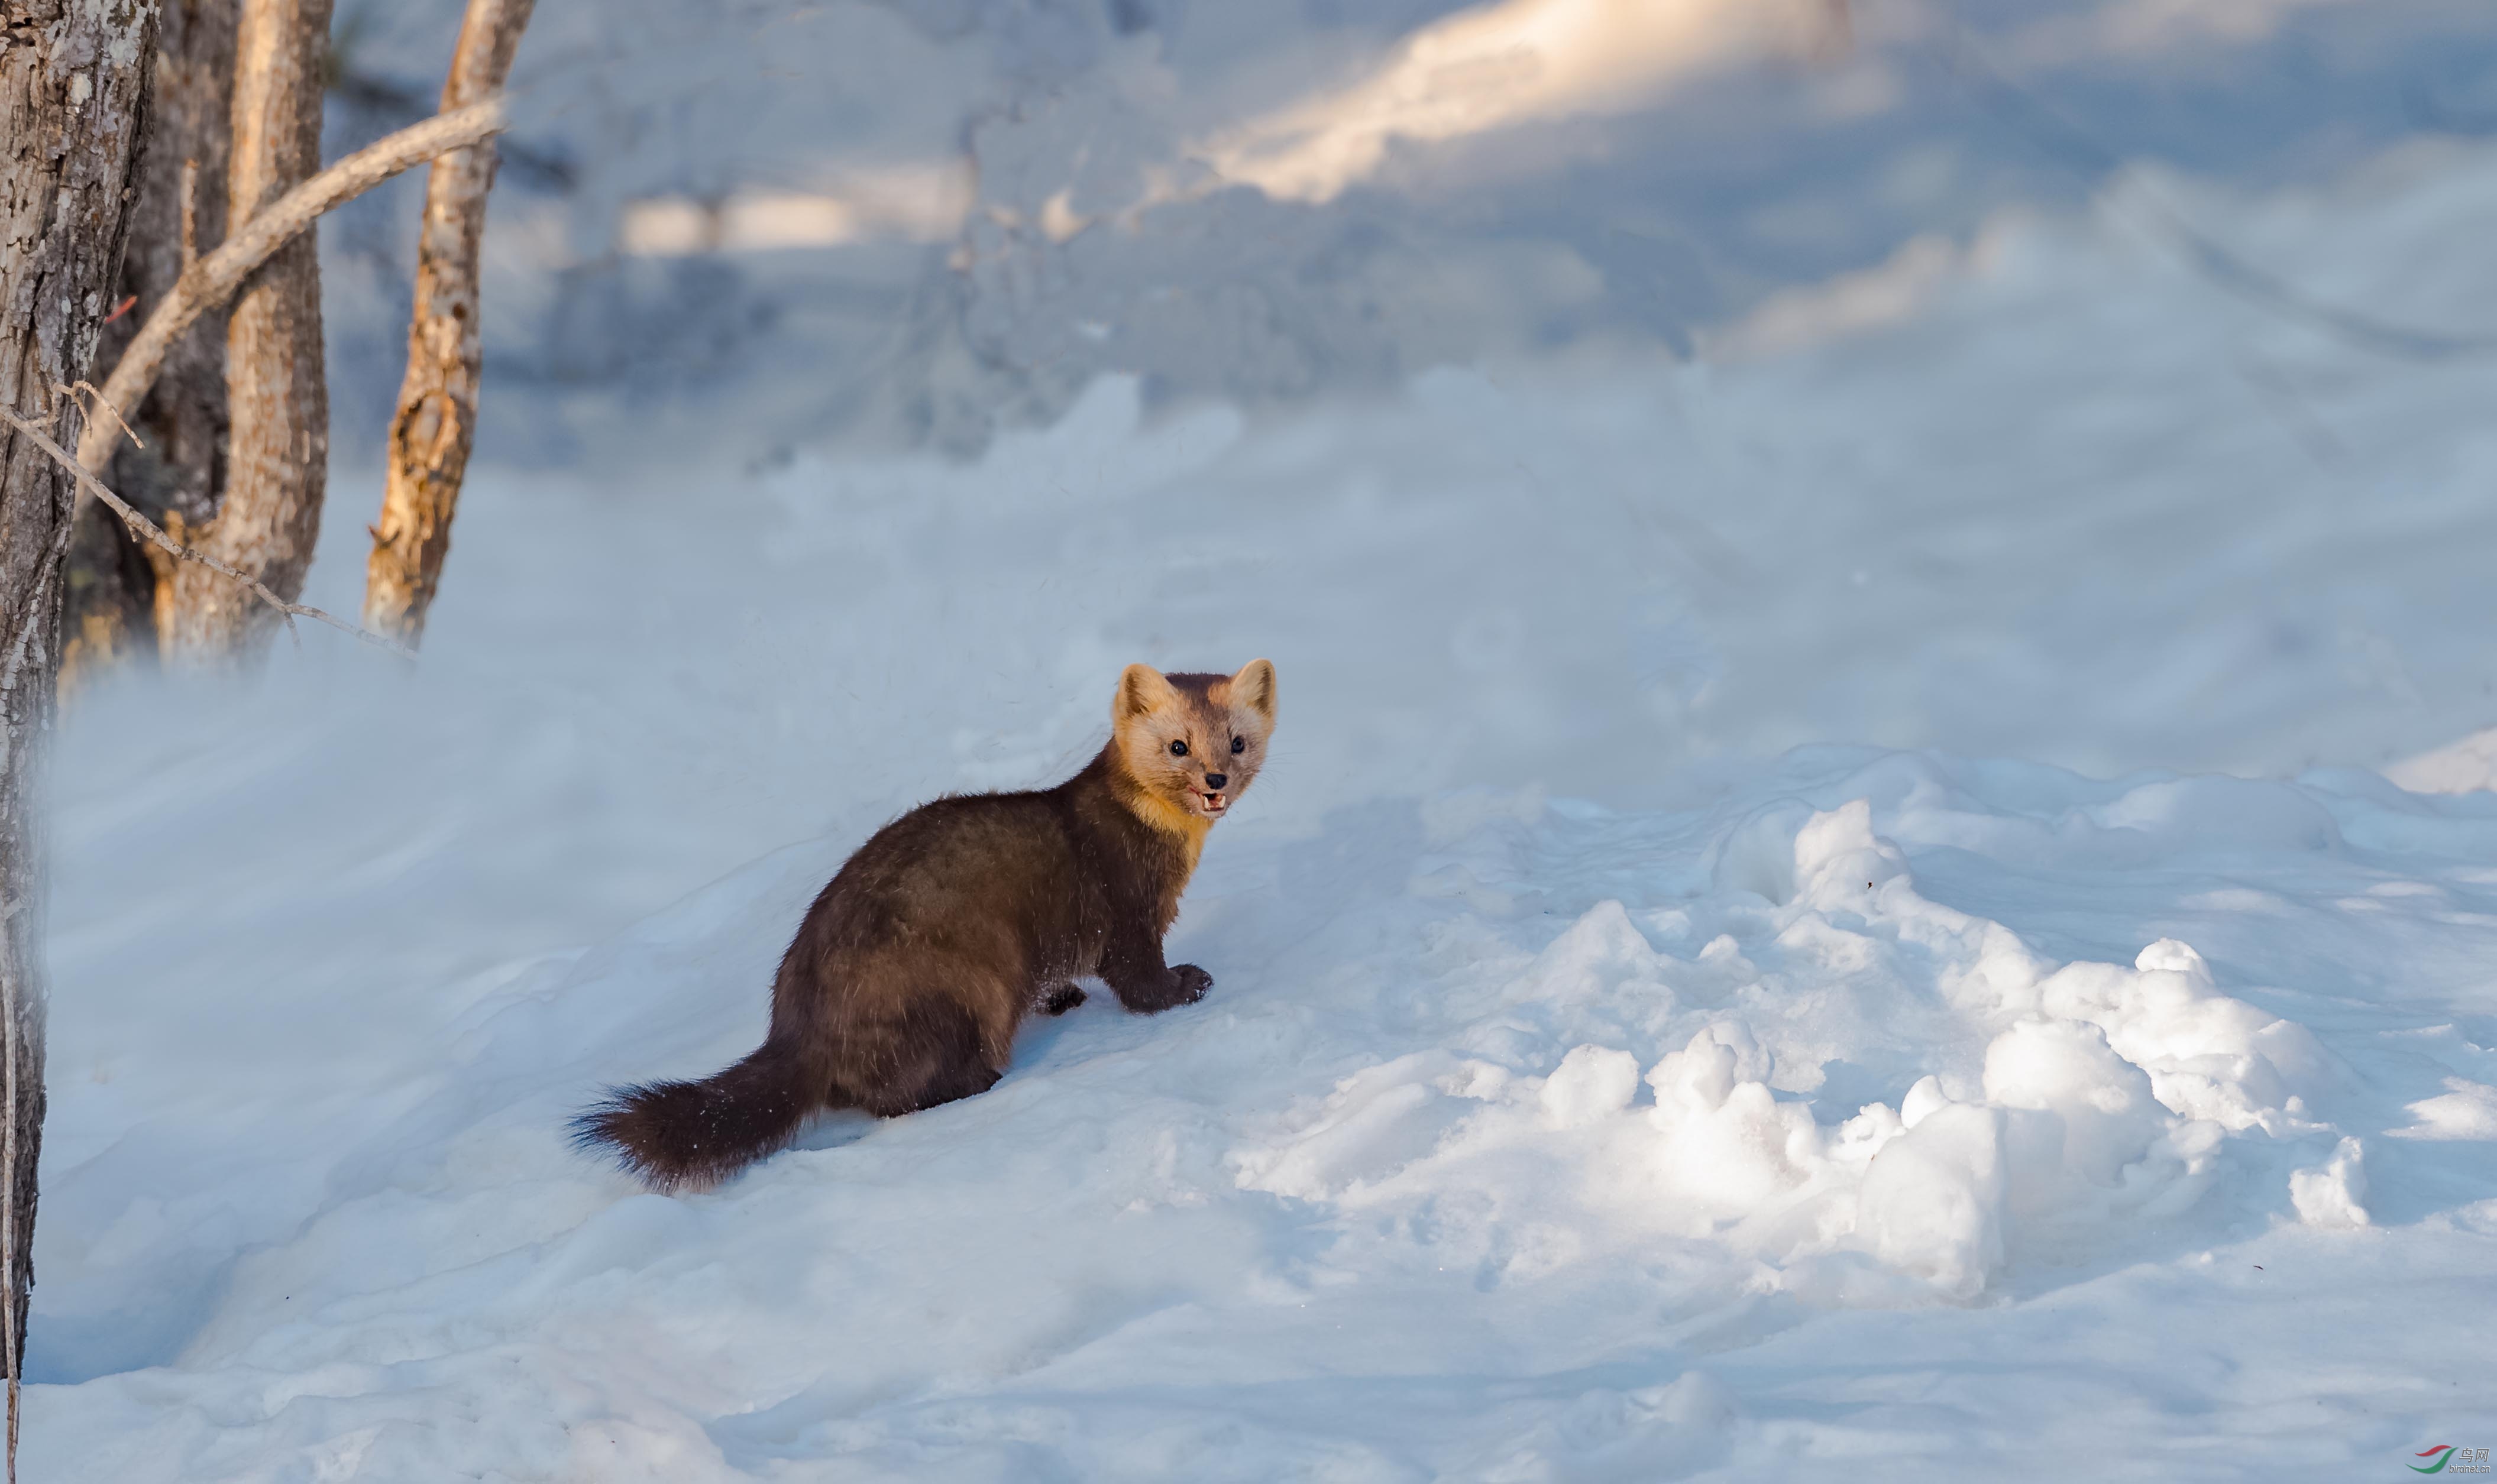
(150, 531)
(83, 384)
(212, 281)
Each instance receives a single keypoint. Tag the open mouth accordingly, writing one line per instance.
(1213, 804)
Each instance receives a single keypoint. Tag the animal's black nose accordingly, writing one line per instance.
(1215, 779)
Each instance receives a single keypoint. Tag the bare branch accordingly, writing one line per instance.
(212, 281)
(148, 530)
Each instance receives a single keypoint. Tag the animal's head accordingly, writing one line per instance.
(1194, 742)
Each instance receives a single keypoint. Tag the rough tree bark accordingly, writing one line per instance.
(111, 612)
(74, 78)
(436, 423)
(277, 448)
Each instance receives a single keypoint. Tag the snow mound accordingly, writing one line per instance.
(2090, 1098)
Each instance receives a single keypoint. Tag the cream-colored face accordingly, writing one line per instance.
(1194, 741)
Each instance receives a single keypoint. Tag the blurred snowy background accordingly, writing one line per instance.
(782, 223)
(1583, 402)
(1954, 319)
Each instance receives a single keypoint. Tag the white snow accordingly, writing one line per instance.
(1592, 1088)
(2330, 1195)
(1610, 1168)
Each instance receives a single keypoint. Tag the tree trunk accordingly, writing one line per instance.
(179, 465)
(277, 450)
(72, 98)
(436, 423)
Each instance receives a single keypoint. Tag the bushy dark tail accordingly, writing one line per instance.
(692, 1135)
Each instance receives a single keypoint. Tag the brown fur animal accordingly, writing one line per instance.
(911, 971)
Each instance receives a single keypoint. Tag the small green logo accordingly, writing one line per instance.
(2443, 1453)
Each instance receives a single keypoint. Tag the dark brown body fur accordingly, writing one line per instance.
(912, 970)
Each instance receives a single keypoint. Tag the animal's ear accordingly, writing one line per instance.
(1142, 691)
(1254, 687)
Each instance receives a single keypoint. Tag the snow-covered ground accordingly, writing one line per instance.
(1839, 1124)
(1592, 1086)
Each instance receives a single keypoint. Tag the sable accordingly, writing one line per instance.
(912, 970)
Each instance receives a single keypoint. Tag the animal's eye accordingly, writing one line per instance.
(1238, 745)
(1179, 749)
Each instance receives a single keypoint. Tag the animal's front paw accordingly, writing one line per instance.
(1183, 985)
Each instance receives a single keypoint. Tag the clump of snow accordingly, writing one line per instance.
(2333, 1194)
(2217, 1057)
(1934, 1210)
(1591, 1083)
